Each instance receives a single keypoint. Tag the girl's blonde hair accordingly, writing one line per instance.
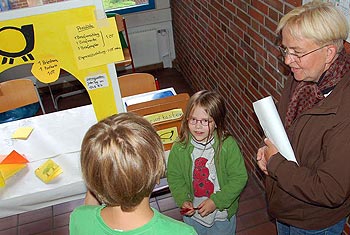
(214, 105)
(122, 158)
(318, 21)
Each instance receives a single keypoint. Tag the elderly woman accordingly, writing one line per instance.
(314, 196)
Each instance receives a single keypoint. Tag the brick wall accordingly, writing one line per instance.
(228, 46)
(15, 4)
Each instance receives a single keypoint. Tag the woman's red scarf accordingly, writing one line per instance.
(307, 94)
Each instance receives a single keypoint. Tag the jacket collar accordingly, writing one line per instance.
(331, 103)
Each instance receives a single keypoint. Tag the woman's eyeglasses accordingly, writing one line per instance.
(203, 122)
(285, 52)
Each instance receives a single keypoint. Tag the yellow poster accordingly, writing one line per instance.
(46, 41)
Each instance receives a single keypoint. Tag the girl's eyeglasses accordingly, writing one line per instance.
(203, 122)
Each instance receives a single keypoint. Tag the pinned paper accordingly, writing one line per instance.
(168, 135)
(164, 116)
(10, 165)
(22, 133)
(46, 69)
(48, 171)
(95, 43)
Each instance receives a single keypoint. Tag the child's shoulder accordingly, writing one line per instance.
(229, 139)
(179, 146)
(230, 143)
(86, 210)
(171, 226)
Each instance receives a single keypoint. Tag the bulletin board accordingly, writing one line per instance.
(75, 36)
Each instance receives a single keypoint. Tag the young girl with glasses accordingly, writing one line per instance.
(206, 171)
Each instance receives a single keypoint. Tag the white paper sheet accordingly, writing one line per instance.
(271, 123)
(57, 136)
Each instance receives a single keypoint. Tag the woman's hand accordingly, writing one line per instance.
(206, 207)
(270, 150)
(260, 157)
(264, 154)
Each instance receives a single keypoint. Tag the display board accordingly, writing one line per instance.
(75, 36)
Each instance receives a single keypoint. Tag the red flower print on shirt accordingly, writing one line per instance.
(201, 184)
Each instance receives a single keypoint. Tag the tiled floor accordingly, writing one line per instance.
(252, 217)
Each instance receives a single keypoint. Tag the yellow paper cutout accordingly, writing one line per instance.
(22, 133)
(48, 171)
(164, 116)
(168, 135)
(8, 170)
(9, 166)
(46, 69)
(95, 43)
(2, 181)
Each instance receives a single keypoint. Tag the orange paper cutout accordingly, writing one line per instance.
(14, 158)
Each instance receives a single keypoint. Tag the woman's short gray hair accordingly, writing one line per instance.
(319, 21)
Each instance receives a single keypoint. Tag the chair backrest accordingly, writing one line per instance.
(119, 19)
(136, 83)
(125, 43)
(17, 93)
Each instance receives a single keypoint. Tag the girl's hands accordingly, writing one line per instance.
(187, 209)
(206, 207)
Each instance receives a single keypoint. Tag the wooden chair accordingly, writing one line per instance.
(124, 39)
(136, 83)
(18, 93)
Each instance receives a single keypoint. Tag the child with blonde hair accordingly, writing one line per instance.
(206, 171)
(122, 158)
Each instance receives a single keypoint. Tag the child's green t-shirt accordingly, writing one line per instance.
(87, 220)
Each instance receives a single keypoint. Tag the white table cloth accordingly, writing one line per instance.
(57, 136)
